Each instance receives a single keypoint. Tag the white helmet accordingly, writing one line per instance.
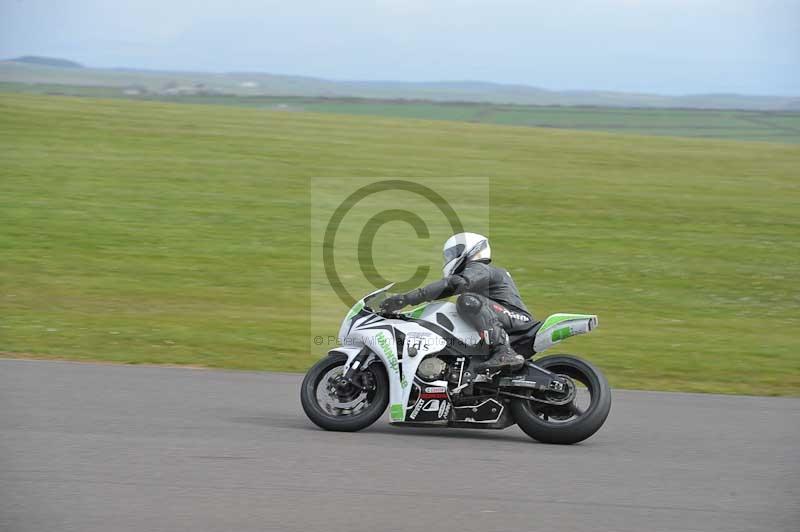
(464, 247)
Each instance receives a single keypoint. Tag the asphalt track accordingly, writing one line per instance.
(87, 447)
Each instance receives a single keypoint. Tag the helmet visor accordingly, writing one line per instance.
(453, 252)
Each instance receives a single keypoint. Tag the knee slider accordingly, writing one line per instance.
(468, 304)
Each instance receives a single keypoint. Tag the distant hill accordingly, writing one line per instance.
(47, 61)
(40, 70)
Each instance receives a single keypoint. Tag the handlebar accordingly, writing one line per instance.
(389, 315)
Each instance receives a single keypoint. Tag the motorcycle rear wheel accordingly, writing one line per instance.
(351, 412)
(567, 424)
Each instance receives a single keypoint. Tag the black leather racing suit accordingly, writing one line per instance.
(489, 300)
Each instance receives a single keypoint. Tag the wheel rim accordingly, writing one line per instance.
(347, 401)
(584, 401)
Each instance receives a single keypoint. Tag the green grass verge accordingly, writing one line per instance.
(160, 233)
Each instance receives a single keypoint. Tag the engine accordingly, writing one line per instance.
(431, 369)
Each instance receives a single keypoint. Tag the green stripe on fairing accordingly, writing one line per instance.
(355, 310)
(558, 318)
(397, 412)
(560, 334)
(416, 312)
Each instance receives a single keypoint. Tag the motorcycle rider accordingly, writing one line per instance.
(488, 299)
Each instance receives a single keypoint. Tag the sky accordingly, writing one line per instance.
(657, 46)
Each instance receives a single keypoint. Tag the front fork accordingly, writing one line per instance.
(350, 377)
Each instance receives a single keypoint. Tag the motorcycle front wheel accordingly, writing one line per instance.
(575, 421)
(345, 408)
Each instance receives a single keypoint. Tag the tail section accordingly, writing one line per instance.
(560, 326)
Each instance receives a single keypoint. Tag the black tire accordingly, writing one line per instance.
(379, 399)
(526, 413)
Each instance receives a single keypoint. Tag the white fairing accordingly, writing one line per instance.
(560, 326)
(379, 337)
(461, 329)
(355, 309)
(363, 328)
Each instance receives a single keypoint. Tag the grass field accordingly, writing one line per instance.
(769, 126)
(738, 125)
(153, 232)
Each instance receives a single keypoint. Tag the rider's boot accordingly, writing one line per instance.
(503, 357)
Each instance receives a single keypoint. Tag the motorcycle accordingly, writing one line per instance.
(421, 362)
